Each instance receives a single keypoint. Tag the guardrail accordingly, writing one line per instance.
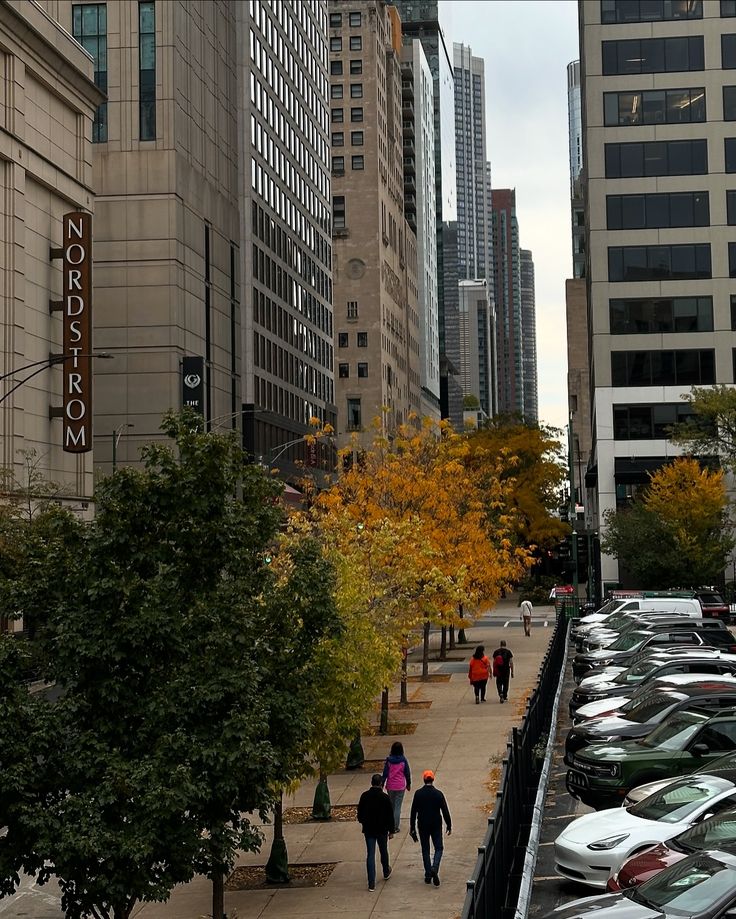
(493, 888)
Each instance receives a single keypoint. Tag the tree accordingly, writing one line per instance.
(185, 659)
(677, 534)
(711, 429)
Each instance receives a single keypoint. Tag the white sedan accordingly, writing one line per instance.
(593, 847)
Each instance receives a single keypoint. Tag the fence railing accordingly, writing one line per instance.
(493, 889)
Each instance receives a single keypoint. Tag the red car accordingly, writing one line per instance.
(717, 832)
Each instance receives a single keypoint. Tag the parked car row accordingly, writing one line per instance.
(653, 750)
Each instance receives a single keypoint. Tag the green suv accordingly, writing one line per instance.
(602, 774)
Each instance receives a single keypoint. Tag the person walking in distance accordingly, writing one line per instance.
(428, 808)
(397, 780)
(479, 670)
(376, 817)
(526, 615)
(503, 670)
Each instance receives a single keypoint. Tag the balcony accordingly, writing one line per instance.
(409, 166)
(407, 107)
(408, 146)
(407, 89)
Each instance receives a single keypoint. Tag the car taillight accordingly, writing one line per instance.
(732, 649)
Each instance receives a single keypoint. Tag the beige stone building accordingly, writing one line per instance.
(375, 252)
(47, 104)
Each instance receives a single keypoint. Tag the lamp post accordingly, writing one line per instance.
(42, 365)
(573, 514)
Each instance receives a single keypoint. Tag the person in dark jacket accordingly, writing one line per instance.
(428, 807)
(376, 817)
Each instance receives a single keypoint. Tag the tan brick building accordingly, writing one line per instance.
(375, 252)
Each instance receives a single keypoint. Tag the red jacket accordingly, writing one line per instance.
(479, 669)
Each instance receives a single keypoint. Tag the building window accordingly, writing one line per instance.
(656, 158)
(733, 311)
(357, 162)
(356, 138)
(653, 55)
(338, 139)
(657, 211)
(356, 90)
(646, 315)
(356, 67)
(338, 165)
(728, 8)
(732, 260)
(362, 370)
(338, 212)
(729, 103)
(343, 371)
(649, 422)
(356, 43)
(147, 69)
(336, 90)
(336, 68)
(89, 28)
(663, 368)
(354, 415)
(335, 44)
(362, 339)
(356, 114)
(354, 20)
(731, 208)
(352, 310)
(335, 20)
(342, 339)
(650, 10)
(659, 263)
(657, 106)
(728, 51)
(337, 114)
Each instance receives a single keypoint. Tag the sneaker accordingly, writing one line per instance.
(482, 700)
(501, 699)
(477, 700)
(436, 879)
(387, 874)
(427, 880)
(371, 887)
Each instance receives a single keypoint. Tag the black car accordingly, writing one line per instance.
(651, 622)
(640, 716)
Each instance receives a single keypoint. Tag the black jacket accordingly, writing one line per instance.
(375, 812)
(428, 807)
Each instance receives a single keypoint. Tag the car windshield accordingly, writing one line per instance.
(627, 641)
(688, 888)
(643, 693)
(637, 672)
(650, 706)
(718, 832)
(609, 607)
(679, 800)
(711, 600)
(675, 732)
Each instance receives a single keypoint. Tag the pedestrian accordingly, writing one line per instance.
(503, 670)
(479, 670)
(376, 817)
(428, 807)
(526, 615)
(397, 779)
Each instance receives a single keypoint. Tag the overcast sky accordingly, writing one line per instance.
(527, 46)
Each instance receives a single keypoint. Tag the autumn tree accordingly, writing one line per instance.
(678, 533)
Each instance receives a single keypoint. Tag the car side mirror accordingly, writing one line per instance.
(701, 749)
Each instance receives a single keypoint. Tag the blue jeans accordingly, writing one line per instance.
(370, 861)
(397, 799)
(431, 866)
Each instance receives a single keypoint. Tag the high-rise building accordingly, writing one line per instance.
(452, 381)
(529, 336)
(477, 341)
(507, 285)
(658, 105)
(421, 212)
(575, 136)
(375, 250)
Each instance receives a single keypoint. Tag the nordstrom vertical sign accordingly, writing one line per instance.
(77, 364)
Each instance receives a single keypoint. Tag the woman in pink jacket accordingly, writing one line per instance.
(396, 779)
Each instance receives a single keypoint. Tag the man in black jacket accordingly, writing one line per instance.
(428, 807)
(376, 816)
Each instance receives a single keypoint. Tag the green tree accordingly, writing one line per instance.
(185, 659)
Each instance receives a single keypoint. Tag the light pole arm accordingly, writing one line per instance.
(30, 376)
(44, 365)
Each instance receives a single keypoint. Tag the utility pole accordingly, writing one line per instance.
(573, 514)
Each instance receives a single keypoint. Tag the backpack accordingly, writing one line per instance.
(498, 664)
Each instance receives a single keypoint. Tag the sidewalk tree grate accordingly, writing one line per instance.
(432, 678)
(394, 728)
(417, 703)
(253, 877)
(368, 765)
(340, 813)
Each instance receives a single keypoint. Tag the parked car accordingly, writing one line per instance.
(601, 639)
(688, 740)
(724, 766)
(595, 846)
(702, 886)
(717, 832)
(642, 715)
(686, 605)
(713, 604)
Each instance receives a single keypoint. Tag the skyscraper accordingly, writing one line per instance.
(529, 336)
(659, 104)
(477, 341)
(507, 284)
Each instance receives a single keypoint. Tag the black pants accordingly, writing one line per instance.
(480, 689)
(502, 684)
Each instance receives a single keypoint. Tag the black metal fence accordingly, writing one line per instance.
(493, 889)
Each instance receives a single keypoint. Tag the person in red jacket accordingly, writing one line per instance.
(479, 671)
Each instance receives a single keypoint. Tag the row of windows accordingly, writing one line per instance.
(338, 115)
(689, 367)
(659, 158)
(659, 263)
(356, 138)
(356, 43)
(343, 338)
(337, 91)
(336, 68)
(268, 314)
(656, 106)
(649, 422)
(651, 10)
(288, 404)
(642, 315)
(653, 55)
(655, 211)
(343, 370)
(338, 164)
(289, 367)
(336, 20)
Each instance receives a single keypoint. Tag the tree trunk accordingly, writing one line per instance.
(321, 805)
(443, 643)
(452, 638)
(277, 866)
(383, 727)
(425, 650)
(404, 698)
(123, 911)
(218, 896)
(356, 756)
(461, 639)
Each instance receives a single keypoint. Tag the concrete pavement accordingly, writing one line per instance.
(462, 742)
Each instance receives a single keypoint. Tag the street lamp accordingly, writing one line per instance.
(281, 448)
(116, 435)
(44, 365)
